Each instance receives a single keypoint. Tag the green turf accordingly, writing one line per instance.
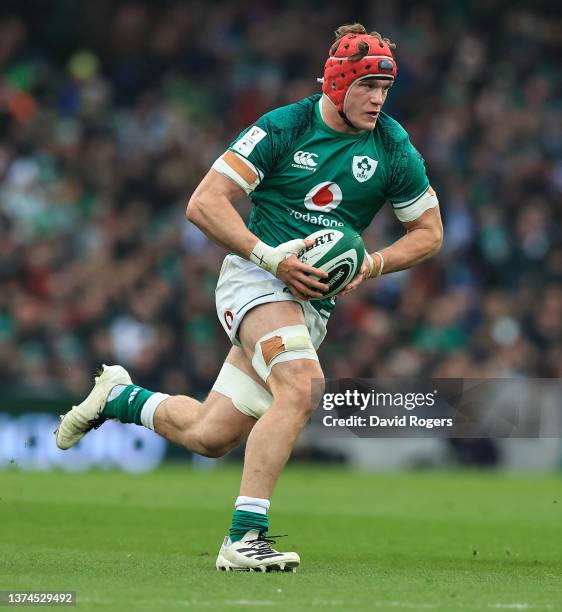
(430, 541)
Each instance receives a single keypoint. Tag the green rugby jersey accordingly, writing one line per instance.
(311, 176)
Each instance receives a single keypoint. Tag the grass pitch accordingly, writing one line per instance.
(429, 541)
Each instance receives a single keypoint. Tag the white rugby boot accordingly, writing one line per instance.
(254, 554)
(81, 419)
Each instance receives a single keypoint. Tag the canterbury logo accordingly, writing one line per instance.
(303, 158)
(133, 394)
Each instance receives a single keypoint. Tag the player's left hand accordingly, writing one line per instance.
(362, 275)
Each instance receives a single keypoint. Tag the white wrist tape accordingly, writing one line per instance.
(371, 264)
(268, 257)
(381, 267)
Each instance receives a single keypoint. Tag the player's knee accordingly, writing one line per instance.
(299, 383)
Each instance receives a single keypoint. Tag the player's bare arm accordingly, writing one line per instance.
(211, 209)
(423, 238)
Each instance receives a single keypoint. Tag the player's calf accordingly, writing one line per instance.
(212, 444)
(211, 428)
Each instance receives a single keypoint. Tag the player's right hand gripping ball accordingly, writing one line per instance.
(340, 252)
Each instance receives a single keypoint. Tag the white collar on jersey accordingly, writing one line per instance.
(320, 103)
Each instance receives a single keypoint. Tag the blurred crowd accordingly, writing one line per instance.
(111, 112)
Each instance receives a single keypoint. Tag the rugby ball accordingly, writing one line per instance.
(340, 252)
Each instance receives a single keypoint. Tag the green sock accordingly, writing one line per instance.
(243, 521)
(127, 406)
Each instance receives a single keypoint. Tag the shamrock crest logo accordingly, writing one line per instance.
(364, 164)
(363, 167)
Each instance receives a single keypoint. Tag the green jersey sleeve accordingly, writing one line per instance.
(269, 139)
(408, 180)
(255, 144)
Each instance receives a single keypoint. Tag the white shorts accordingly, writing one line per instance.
(242, 286)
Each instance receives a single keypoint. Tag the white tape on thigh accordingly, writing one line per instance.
(246, 394)
(284, 344)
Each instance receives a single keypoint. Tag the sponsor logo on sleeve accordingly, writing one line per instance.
(363, 167)
(246, 144)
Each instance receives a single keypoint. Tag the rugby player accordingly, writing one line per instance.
(331, 160)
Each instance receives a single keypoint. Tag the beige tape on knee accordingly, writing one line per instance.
(284, 344)
(246, 394)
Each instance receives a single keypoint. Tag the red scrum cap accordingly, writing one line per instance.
(356, 56)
